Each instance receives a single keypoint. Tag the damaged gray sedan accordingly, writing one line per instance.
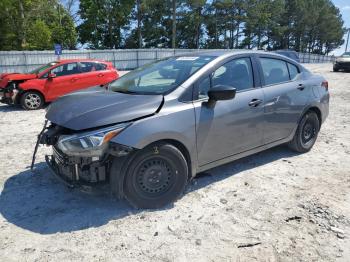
(155, 128)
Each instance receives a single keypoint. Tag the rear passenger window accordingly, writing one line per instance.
(86, 67)
(100, 66)
(293, 71)
(275, 71)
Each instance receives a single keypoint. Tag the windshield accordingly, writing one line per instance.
(160, 77)
(346, 54)
(43, 68)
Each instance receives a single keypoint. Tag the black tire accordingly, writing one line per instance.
(306, 133)
(156, 176)
(335, 69)
(31, 100)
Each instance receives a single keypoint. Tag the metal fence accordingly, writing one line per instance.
(123, 59)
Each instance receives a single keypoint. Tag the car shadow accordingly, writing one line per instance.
(16, 108)
(36, 201)
(10, 108)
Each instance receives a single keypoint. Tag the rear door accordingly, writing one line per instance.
(231, 126)
(89, 74)
(285, 97)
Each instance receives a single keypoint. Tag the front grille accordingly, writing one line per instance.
(59, 156)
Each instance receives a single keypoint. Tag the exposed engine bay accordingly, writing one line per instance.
(78, 170)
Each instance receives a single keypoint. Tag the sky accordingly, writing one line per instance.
(344, 7)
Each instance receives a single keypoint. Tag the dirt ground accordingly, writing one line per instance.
(272, 206)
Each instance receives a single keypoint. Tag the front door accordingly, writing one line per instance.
(67, 79)
(232, 126)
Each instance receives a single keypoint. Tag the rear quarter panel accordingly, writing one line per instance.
(320, 95)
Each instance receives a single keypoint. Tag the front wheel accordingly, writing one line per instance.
(156, 176)
(306, 133)
(31, 100)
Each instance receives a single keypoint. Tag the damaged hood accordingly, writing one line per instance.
(17, 76)
(96, 107)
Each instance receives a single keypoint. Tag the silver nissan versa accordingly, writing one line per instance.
(155, 128)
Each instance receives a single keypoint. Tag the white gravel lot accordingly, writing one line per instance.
(289, 207)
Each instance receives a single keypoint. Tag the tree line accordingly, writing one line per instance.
(314, 26)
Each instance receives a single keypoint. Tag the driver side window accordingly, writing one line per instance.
(66, 69)
(237, 73)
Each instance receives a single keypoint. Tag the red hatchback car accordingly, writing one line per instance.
(53, 80)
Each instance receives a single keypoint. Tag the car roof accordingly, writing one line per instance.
(219, 53)
(63, 61)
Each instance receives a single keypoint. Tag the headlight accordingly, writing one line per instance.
(89, 143)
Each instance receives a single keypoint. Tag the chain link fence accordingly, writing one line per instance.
(123, 59)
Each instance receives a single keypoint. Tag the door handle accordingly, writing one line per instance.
(255, 102)
(74, 79)
(100, 75)
(301, 87)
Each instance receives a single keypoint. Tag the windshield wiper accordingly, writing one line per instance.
(125, 91)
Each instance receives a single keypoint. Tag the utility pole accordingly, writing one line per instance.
(173, 40)
(347, 41)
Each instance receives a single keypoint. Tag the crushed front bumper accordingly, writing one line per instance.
(7, 97)
(74, 171)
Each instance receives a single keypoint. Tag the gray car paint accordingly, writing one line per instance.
(93, 108)
(228, 131)
(209, 144)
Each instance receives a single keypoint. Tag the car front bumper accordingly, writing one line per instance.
(342, 65)
(7, 97)
(74, 171)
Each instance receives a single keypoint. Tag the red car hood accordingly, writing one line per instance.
(17, 76)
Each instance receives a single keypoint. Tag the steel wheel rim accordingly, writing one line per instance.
(308, 132)
(154, 176)
(32, 101)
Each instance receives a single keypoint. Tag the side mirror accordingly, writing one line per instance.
(221, 92)
(51, 75)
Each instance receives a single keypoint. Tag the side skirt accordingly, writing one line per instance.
(243, 154)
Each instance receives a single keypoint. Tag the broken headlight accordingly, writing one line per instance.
(91, 143)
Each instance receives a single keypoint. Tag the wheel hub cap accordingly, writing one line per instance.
(308, 132)
(154, 176)
(32, 101)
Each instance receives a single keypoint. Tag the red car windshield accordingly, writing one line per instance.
(43, 68)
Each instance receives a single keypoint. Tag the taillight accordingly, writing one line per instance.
(325, 84)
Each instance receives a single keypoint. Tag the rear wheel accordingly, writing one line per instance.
(32, 100)
(156, 176)
(306, 134)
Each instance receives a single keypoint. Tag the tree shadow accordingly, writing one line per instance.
(36, 201)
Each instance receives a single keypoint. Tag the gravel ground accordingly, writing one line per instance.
(272, 206)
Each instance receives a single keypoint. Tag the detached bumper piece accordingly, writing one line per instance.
(74, 171)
